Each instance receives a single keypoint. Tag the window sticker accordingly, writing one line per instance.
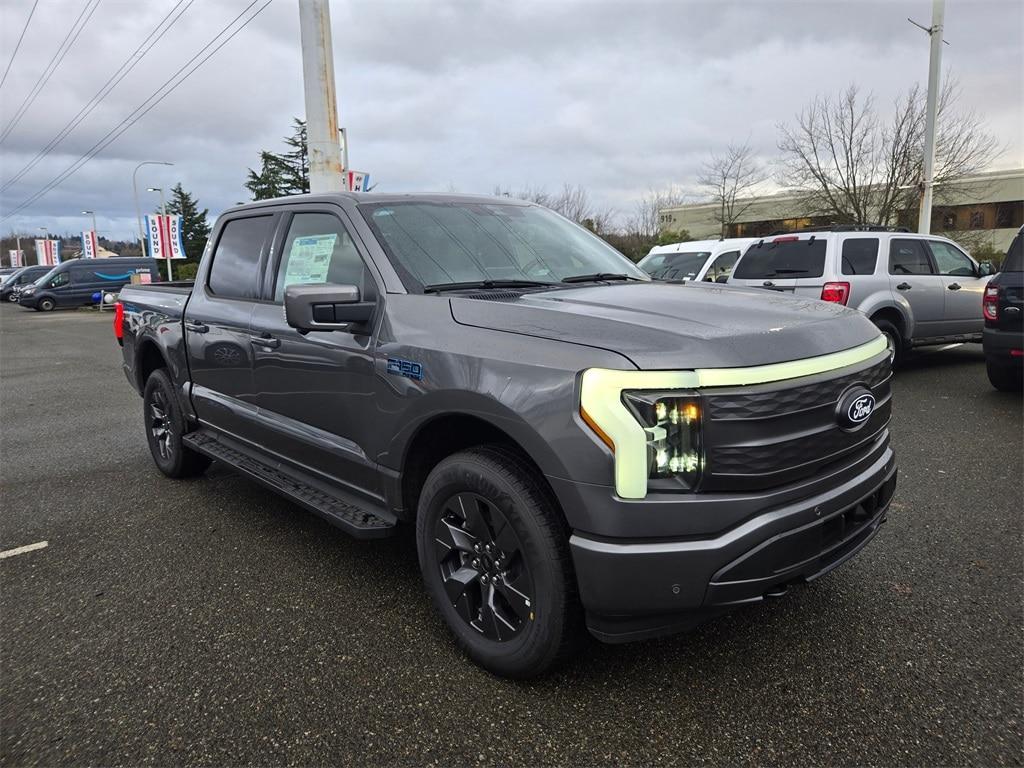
(310, 259)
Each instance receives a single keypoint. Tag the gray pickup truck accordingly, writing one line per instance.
(573, 443)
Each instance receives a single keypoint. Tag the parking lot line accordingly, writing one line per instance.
(23, 550)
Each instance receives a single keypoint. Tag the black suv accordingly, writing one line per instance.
(1003, 309)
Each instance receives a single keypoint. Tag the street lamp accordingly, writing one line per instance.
(93, 214)
(135, 192)
(163, 212)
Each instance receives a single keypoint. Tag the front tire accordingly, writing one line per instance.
(46, 305)
(1004, 378)
(494, 553)
(165, 426)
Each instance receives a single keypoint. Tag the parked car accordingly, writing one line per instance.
(918, 289)
(75, 283)
(709, 260)
(5, 271)
(571, 441)
(20, 278)
(1003, 310)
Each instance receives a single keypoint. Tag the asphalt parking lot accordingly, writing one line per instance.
(210, 622)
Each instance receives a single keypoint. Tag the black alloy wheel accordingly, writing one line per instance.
(482, 567)
(161, 430)
(494, 552)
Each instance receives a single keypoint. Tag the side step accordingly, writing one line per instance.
(360, 519)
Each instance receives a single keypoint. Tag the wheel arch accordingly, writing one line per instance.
(149, 357)
(896, 315)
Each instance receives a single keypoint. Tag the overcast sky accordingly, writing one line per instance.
(618, 97)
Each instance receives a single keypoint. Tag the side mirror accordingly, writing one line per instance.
(325, 307)
(985, 269)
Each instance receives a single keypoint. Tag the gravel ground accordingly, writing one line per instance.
(210, 622)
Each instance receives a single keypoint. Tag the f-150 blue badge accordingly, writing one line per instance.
(405, 368)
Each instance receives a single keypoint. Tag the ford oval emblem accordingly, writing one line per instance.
(855, 408)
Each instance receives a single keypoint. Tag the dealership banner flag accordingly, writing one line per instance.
(90, 245)
(48, 252)
(17, 258)
(163, 236)
(358, 181)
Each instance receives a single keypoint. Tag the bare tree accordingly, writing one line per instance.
(858, 168)
(645, 220)
(571, 201)
(730, 180)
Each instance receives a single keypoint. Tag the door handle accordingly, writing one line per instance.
(954, 286)
(266, 341)
(903, 287)
(196, 327)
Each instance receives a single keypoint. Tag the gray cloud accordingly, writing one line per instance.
(617, 97)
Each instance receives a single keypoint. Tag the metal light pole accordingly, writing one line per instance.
(924, 222)
(163, 212)
(135, 192)
(93, 214)
(325, 171)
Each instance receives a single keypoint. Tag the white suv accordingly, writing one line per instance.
(918, 289)
(710, 260)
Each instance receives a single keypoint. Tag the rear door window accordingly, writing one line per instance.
(782, 259)
(236, 260)
(908, 257)
(860, 256)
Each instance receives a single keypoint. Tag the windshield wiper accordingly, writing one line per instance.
(601, 276)
(469, 284)
(787, 272)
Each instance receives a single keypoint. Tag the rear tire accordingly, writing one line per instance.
(165, 427)
(1004, 378)
(503, 582)
(46, 305)
(894, 340)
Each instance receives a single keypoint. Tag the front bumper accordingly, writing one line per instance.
(637, 589)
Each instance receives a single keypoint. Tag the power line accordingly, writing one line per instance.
(143, 109)
(18, 45)
(58, 57)
(129, 64)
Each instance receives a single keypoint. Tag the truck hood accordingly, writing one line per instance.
(682, 326)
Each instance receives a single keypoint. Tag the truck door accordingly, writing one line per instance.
(316, 390)
(217, 325)
(912, 275)
(964, 288)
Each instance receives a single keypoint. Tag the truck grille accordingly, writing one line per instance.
(767, 435)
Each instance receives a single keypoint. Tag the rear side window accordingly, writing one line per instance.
(860, 255)
(785, 258)
(1015, 256)
(236, 260)
(908, 257)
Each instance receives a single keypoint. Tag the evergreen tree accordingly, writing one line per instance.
(285, 173)
(195, 229)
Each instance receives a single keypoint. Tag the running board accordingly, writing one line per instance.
(358, 518)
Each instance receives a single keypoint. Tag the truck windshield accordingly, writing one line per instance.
(674, 266)
(441, 243)
(785, 258)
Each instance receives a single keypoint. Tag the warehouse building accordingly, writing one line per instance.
(985, 210)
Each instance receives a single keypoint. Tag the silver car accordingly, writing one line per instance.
(918, 289)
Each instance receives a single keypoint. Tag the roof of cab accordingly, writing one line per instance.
(693, 246)
(363, 198)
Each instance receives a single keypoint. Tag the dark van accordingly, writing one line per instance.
(20, 278)
(75, 283)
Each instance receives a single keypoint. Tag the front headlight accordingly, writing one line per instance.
(27, 291)
(672, 423)
(651, 420)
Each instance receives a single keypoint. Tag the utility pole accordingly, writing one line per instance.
(325, 171)
(924, 221)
